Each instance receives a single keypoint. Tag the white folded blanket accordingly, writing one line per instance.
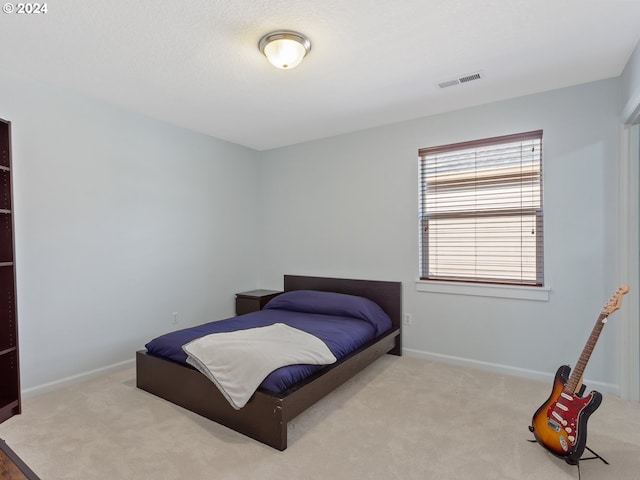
(237, 362)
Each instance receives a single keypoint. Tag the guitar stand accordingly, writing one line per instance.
(596, 456)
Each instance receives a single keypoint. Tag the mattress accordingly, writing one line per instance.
(343, 322)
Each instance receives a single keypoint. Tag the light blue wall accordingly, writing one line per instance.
(347, 206)
(120, 221)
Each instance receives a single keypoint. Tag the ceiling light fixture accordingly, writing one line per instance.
(285, 49)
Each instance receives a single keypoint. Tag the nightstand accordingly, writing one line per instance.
(254, 300)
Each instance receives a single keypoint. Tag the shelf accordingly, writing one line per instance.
(5, 403)
(6, 239)
(8, 350)
(8, 409)
(9, 387)
(8, 322)
(5, 189)
(5, 145)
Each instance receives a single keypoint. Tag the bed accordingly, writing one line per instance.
(266, 415)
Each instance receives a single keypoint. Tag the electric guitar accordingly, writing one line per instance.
(560, 424)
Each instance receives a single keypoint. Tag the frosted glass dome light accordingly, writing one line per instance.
(284, 49)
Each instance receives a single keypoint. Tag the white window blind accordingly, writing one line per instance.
(481, 211)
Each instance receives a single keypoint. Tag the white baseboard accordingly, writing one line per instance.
(72, 380)
(604, 388)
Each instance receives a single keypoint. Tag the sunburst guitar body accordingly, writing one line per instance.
(560, 424)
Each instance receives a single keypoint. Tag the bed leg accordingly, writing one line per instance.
(280, 437)
(269, 429)
(397, 346)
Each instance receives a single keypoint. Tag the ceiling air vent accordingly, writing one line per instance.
(470, 78)
(462, 79)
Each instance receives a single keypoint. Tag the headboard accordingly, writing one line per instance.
(386, 294)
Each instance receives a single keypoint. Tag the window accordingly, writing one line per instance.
(481, 211)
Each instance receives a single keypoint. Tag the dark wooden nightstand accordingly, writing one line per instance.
(254, 300)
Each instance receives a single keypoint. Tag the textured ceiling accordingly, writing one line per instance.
(196, 64)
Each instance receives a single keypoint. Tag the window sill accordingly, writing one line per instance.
(485, 290)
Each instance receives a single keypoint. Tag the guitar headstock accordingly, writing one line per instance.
(615, 301)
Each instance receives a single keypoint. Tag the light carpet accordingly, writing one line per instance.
(402, 418)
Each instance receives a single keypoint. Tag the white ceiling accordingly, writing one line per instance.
(196, 63)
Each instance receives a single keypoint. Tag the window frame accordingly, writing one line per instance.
(536, 211)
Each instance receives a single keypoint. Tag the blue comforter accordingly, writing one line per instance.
(343, 322)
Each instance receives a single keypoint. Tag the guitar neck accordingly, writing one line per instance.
(576, 375)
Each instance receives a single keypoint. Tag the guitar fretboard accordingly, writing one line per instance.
(576, 375)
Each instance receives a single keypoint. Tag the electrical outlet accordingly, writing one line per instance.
(174, 317)
(407, 319)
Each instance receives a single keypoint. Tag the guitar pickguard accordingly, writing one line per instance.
(563, 418)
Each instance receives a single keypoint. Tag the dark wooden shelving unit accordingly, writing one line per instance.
(10, 404)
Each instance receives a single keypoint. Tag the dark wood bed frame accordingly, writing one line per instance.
(265, 416)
